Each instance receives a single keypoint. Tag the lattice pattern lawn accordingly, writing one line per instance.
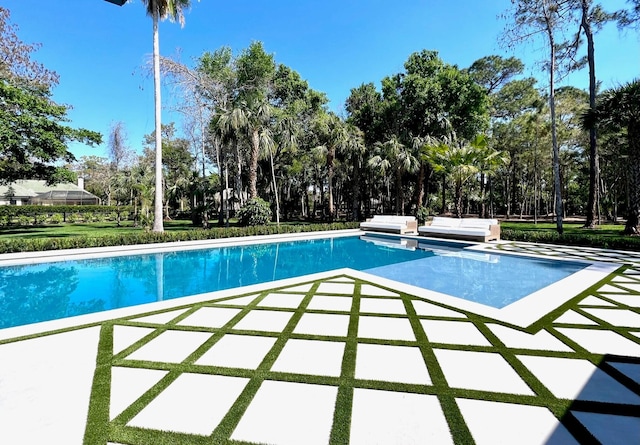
(342, 360)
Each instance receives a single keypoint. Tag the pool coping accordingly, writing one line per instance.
(11, 259)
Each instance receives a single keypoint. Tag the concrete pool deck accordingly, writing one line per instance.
(338, 357)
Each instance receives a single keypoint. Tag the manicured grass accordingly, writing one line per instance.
(32, 239)
(95, 229)
(609, 230)
(105, 228)
(603, 237)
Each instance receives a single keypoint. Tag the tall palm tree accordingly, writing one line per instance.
(489, 161)
(459, 160)
(354, 153)
(160, 10)
(396, 156)
(332, 132)
(423, 148)
(254, 117)
(619, 108)
(230, 125)
(282, 139)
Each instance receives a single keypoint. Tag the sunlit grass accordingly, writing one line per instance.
(94, 229)
(613, 230)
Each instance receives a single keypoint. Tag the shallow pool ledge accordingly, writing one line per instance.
(523, 312)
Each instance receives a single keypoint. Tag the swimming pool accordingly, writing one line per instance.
(32, 293)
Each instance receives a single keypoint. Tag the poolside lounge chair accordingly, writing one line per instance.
(391, 224)
(474, 229)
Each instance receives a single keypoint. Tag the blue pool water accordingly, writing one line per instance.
(48, 291)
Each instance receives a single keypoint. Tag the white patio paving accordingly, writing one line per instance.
(334, 358)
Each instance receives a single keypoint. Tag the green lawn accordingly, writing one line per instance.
(99, 229)
(609, 230)
(95, 230)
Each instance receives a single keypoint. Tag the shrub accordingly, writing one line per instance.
(573, 239)
(422, 214)
(256, 212)
(56, 218)
(12, 245)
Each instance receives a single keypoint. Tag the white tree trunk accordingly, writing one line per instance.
(275, 188)
(157, 220)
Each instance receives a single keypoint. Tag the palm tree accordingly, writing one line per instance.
(230, 126)
(333, 133)
(160, 10)
(619, 108)
(423, 148)
(284, 138)
(459, 160)
(489, 161)
(354, 153)
(254, 117)
(394, 155)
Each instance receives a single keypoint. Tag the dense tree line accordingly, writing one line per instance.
(433, 138)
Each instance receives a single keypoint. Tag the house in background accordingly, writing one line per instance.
(37, 192)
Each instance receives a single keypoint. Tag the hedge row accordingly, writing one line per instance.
(36, 214)
(36, 245)
(31, 210)
(587, 239)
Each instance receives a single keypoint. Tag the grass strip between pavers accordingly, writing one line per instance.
(346, 383)
(97, 429)
(458, 427)
(341, 427)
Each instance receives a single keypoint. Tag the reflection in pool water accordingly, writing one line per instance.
(47, 291)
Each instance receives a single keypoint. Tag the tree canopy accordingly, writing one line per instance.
(33, 135)
(430, 138)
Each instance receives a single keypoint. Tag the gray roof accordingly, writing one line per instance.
(30, 188)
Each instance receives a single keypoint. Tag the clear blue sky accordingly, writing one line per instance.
(99, 49)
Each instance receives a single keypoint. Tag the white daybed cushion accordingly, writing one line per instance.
(478, 223)
(459, 226)
(440, 221)
(383, 225)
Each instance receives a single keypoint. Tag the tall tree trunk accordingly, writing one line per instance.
(420, 186)
(238, 175)
(458, 199)
(594, 163)
(157, 214)
(275, 188)
(205, 210)
(513, 187)
(399, 206)
(253, 164)
(222, 170)
(483, 207)
(633, 214)
(490, 185)
(330, 170)
(355, 191)
(554, 136)
(444, 193)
